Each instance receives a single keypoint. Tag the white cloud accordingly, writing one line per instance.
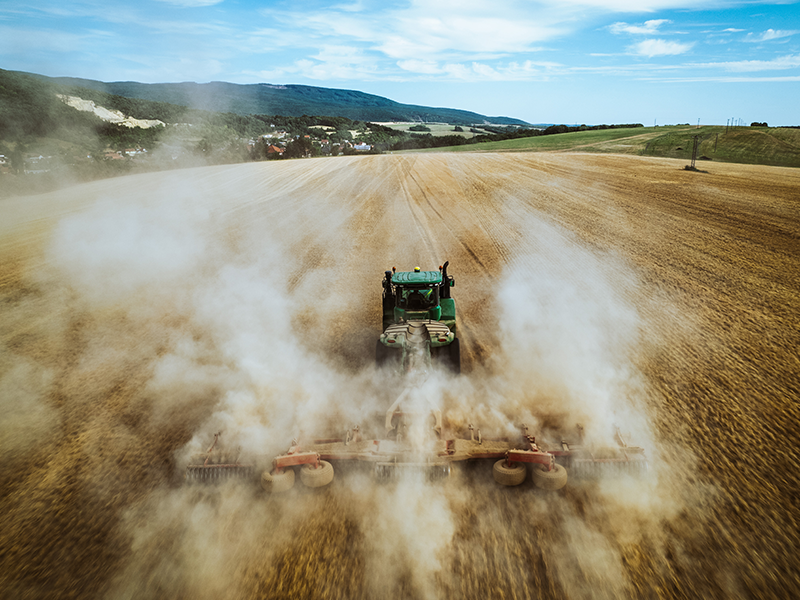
(730, 79)
(769, 34)
(629, 6)
(790, 61)
(21, 41)
(479, 71)
(426, 67)
(357, 6)
(444, 30)
(657, 47)
(647, 28)
(332, 62)
(191, 3)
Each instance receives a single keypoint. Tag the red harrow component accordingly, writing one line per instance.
(313, 472)
(219, 470)
(390, 459)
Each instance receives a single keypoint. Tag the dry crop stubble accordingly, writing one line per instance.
(141, 313)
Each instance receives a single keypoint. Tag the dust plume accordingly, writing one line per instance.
(188, 309)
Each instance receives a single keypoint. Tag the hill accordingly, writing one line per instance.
(287, 100)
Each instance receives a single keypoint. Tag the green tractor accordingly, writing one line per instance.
(419, 321)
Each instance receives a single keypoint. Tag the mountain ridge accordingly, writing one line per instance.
(286, 99)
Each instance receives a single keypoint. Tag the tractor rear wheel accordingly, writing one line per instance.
(549, 480)
(317, 477)
(453, 356)
(277, 482)
(381, 354)
(506, 474)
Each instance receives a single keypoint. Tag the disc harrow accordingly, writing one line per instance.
(419, 331)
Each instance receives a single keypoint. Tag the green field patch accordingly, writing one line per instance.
(439, 129)
(749, 145)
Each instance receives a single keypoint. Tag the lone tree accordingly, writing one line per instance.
(301, 148)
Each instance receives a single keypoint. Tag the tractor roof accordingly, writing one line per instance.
(416, 278)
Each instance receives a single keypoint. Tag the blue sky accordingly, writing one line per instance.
(560, 61)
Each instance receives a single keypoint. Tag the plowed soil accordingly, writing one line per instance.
(141, 314)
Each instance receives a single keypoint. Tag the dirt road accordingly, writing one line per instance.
(142, 314)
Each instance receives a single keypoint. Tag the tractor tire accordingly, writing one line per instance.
(319, 477)
(454, 356)
(508, 475)
(276, 483)
(549, 480)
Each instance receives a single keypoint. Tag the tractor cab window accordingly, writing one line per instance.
(418, 298)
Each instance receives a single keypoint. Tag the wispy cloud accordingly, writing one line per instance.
(768, 35)
(465, 30)
(191, 3)
(730, 79)
(647, 28)
(790, 61)
(425, 67)
(479, 71)
(15, 40)
(658, 47)
(331, 62)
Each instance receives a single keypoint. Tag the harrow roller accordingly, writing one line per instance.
(217, 473)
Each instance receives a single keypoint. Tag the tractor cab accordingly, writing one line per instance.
(419, 318)
(418, 296)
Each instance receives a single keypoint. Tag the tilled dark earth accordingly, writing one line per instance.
(142, 314)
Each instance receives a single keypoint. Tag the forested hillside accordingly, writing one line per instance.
(288, 100)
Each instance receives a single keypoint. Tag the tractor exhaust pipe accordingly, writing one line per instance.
(445, 287)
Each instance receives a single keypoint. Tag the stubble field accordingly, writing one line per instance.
(140, 315)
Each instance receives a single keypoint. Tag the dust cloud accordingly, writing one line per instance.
(183, 313)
